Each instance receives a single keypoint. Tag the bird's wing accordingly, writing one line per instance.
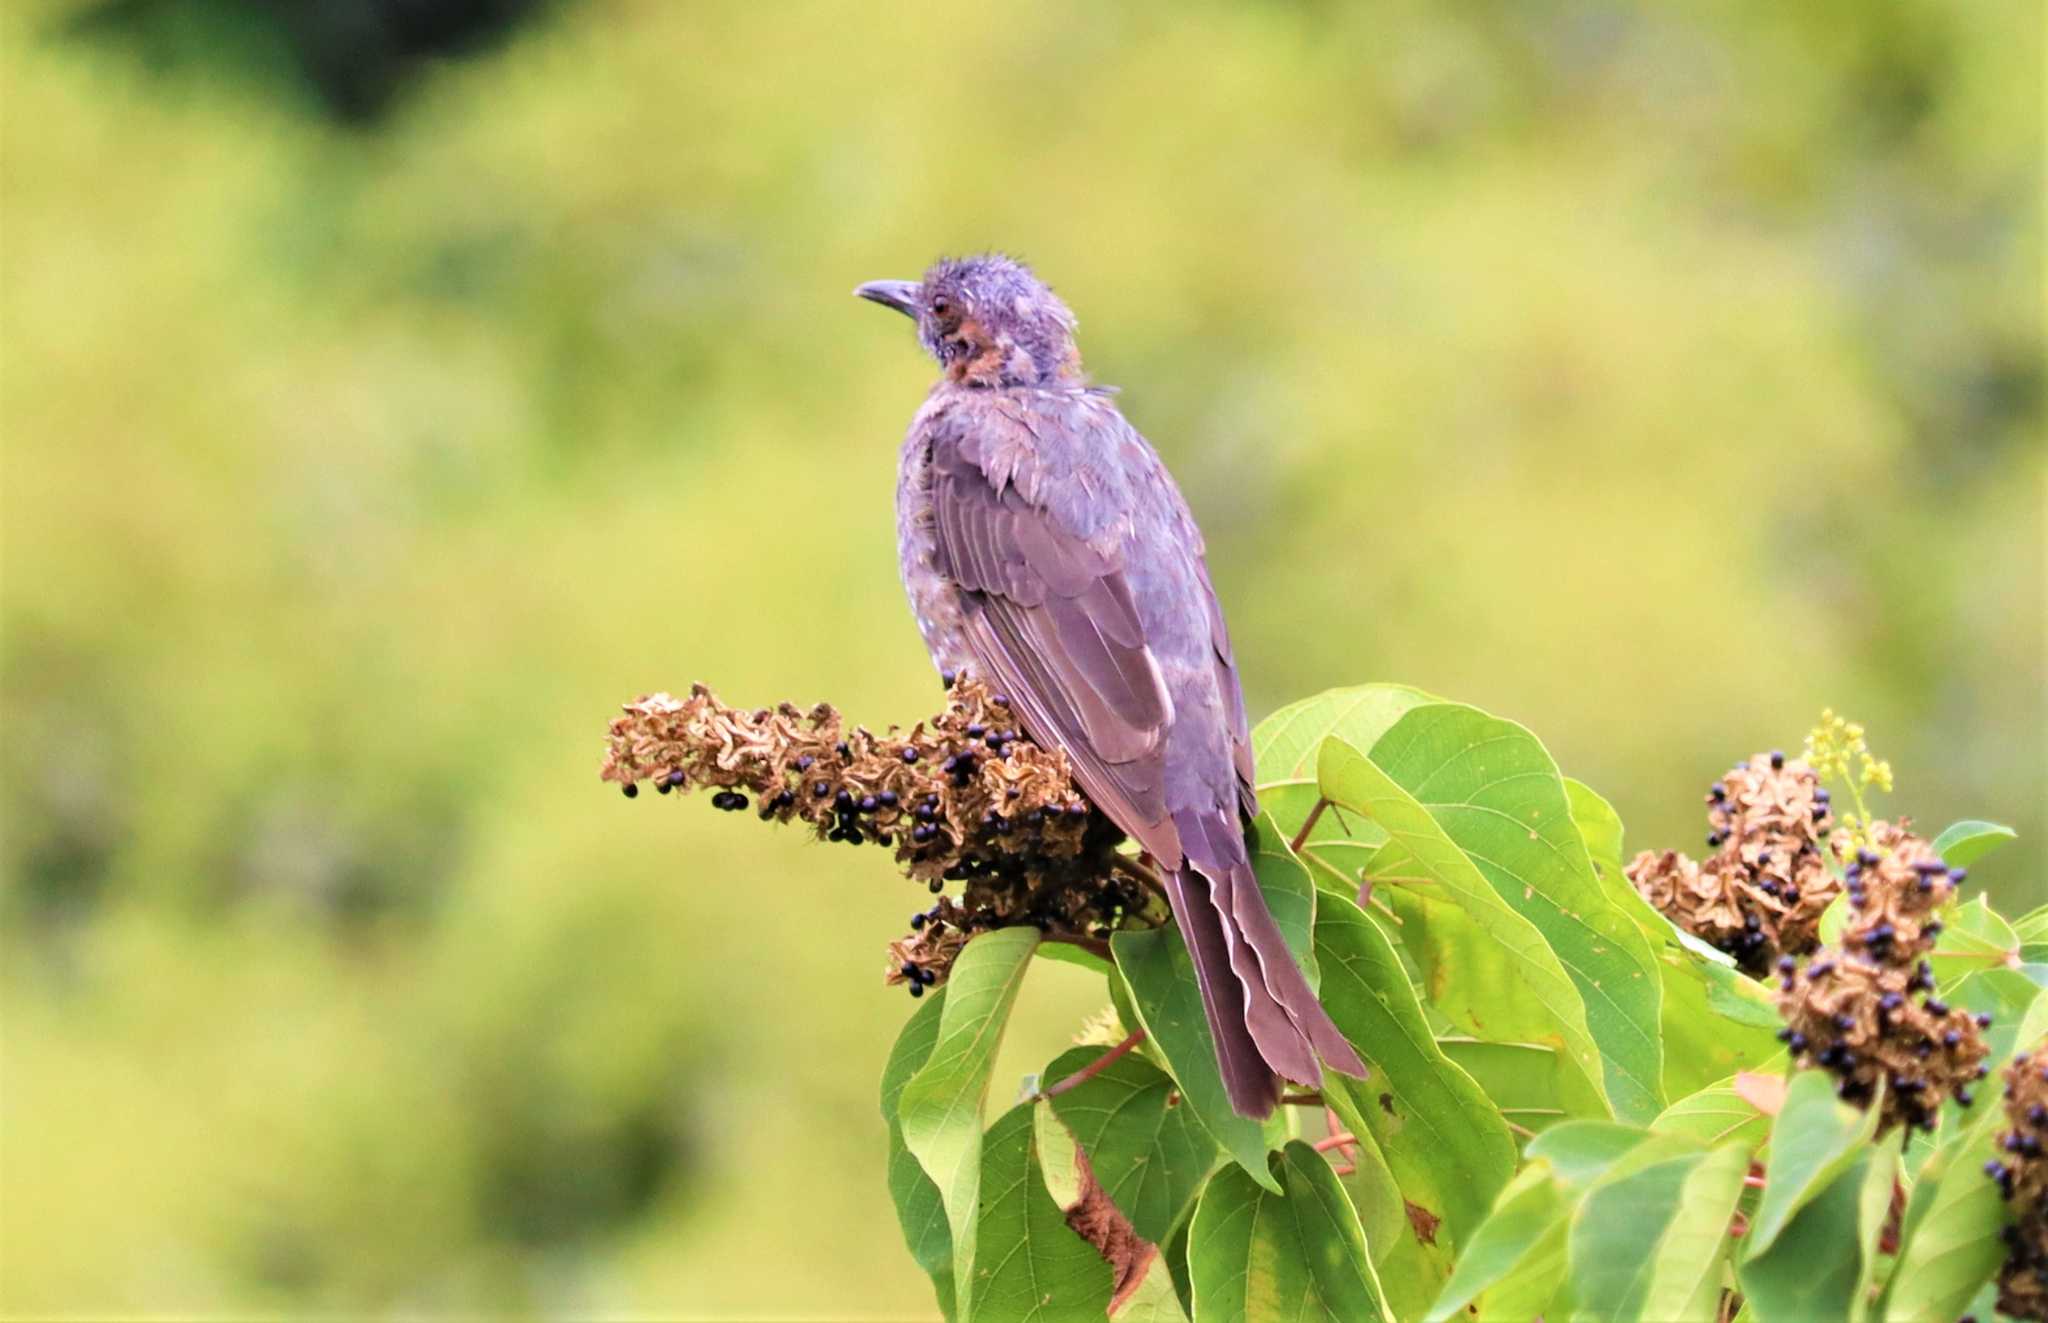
(1233, 698)
(1050, 617)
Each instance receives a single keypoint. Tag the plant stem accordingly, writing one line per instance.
(1301, 1100)
(1308, 824)
(1143, 873)
(1095, 1067)
(1091, 945)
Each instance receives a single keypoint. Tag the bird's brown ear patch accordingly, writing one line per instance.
(981, 362)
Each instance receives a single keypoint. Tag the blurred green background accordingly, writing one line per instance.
(392, 387)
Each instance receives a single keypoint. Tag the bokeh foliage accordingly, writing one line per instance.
(1657, 374)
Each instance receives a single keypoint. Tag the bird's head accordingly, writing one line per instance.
(988, 321)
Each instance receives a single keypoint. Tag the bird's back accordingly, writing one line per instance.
(1069, 452)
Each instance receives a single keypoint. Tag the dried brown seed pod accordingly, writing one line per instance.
(963, 797)
(1897, 888)
(1760, 895)
(1864, 1020)
(2021, 1170)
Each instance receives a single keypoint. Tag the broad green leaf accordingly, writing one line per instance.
(1443, 1138)
(1581, 1152)
(1945, 1251)
(1255, 1255)
(1617, 1232)
(1964, 843)
(1537, 995)
(1034, 1267)
(1150, 1154)
(1159, 976)
(2032, 930)
(1717, 1021)
(1975, 937)
(1714, 1116)
(940, 1106)
(1815, 1268)
(1539, 1287)
(1069, 954)
(1522, 1217)
(1685, 1283)
(1065, 1165)
(1495, 791)
(1289, 891)
(1175, 1252)
(1410, 1272)
(1703, 990)
(1814, 1139)
(1599, 827)
(1952, 1243)
(918, 1206)
(1520, 1078)
(1285, 744)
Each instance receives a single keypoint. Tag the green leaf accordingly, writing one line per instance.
(2032, 930)
(1443, 1138)
(1255, 1255)
(1814, 1139)
(1175, 1252)
(1067, 953)
(1975, 937)
(1037, 1270)
(1148, 1297)
(1702, 988)
(1151, 1157)
(1159, 977)
(1536, 999)
(1410, 1272)
(1581, 1152)
(1599, 827)
(1965, 842)
(1522, 1079)
(1643, 1242)
(1816, 1267)
(918, 1206)
(1289, 891)
(940, 1106)
(1522, 1217)
(1495, 791)
(1714, 1116)
(1285, 744)
(1686, 1281)
(1953, 1239)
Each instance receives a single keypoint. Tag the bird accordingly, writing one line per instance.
(1046, 549)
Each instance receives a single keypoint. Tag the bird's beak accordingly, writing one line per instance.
(898, 294)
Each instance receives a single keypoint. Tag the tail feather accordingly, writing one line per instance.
(1253, 1088)
(1255, 994)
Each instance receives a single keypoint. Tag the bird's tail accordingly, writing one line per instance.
(1266, 1019)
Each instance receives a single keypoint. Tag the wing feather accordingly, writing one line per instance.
(1051, 617)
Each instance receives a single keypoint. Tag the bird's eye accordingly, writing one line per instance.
(941, 306)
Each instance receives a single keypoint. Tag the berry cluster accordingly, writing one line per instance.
(2022, 1178)
(1760, 895)
(962, 797)
(1867, 1010)
(1896, 885)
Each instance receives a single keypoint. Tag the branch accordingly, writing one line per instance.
(1095, 1067)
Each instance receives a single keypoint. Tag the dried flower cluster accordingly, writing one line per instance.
(962, 797)
(2022, 1177)
(1760, 895)
(1867, 1010)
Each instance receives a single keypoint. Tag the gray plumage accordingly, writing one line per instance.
(1046, 549)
